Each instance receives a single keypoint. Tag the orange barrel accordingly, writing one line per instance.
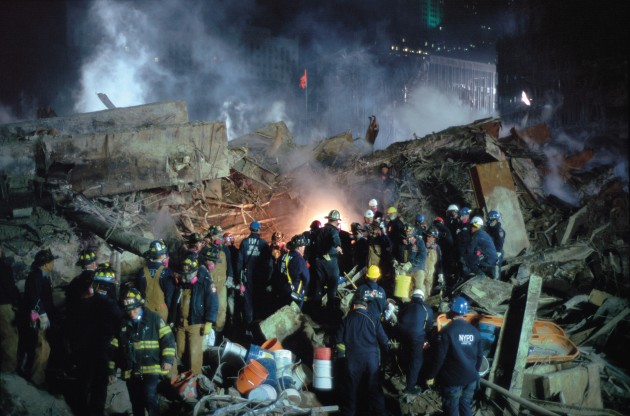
(322, 353)
(251, 376)
(272, 344)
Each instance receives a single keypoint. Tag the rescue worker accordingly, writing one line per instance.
(373, 206)
(292, 277)
(311, 238)
(463, 237)
(420, 224)
(415, 322)
(9, 302)
(363, 341)
(484, 253)
(380, 252)
(144, 349)
(218, 260)
(458, 357)
(155, 281)
(416, 255)
(361, 247)
(452, 219)
(194, 310)
(387, 185)
(495, 230)
(234, 297)
(328, 251)
(37, 316)
(433, 264)
(254, 272)
(278, 246)
(396, 233)
(91, 326)
(194, 242)
(368, 218)
(105, 281)
(371, 292)
(445, 241)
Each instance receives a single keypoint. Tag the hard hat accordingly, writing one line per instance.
(392, 210)
(419, 218)
(209, 254)
(86, 257)
(459, 305)
(439, 219)
(228, 237)
(373, 203)
(432, 232)
(316, 225)
(373, 272)
(494, 216)
(104, 273)
(369, 214)
(409, 227)
(477, 222)
(464, 211)
(254, 226)
(194, 238)
(133, 299)
(334, 215)
(277, 236)
(214, 231)
(43, 257)
(190, 264)
(297, 241)
(452, 207)
(156, 249)
(418, 293)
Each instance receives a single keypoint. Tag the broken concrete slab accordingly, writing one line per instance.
(284, 322)
(575, 386)
(488, 293)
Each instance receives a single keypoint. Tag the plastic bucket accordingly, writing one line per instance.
(256, 352)
(232, 348)
(302, 375)
(270, 366)
(322, 374)
(272, 345)
(294, 396)
(403, 284)
(284, 361)
(252, 375)
(263, 392)
(322, 353)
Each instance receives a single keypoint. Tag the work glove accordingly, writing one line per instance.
(441, 278)
(430, 382)
(44, 322)
(229, 283)
(207, 328)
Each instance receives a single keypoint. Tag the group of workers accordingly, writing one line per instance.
(155, 324)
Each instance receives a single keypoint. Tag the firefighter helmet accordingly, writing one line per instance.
(369, 214)
(432, 232)
(452, 207)
(333, 215)
(373, 272)
(419, 218)
(315, 225)
(208, 254)
(190, 264)
(493, 216)
(477, 222)
(277, 236)
(439, 219)
(104, 273)
(418, 293)
(254, 226)
(373, 203)
(214, 231)
(156, 249)
(194, 238)
(43, 257)
(392, 210)
(228, 237)
(459, 305)
(133, 299)
(464, 211)
(86, 257)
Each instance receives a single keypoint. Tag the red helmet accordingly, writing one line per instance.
(439, 219)
(228, 237)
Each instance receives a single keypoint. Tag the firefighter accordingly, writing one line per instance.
(9, 301)
(463, 237)
(445, 241)
(328, 251)
(396, 233)
(452, 219)
(362, 340)
(194, 310)
(368, 217)
(373, 293)
(37, 316)
(380, 249)
(155, 281)
(292, 278)
(373, 206)
(194, 242)
(416, 255)
(361, 247)
(143, 349)
(458, 357)
(254, 272)
(414, 323)
(88, 264)
(105, 281)
(234, 298)
(311, 237)
(421, 224)
(494, 228)
(433, 264)
(484, 256)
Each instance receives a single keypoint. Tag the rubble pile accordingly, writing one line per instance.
(117, 179)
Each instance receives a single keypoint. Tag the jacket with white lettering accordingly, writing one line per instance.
(415, 320)
(254, 263)
(375, 295)
(458, 354)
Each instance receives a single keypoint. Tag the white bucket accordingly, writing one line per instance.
(293, 396)
(322, 374)
(263, 392)
(302, 375)
(284, 361)
(232, 348)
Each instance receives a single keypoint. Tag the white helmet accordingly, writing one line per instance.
(477, 222)
(418, 293)
(369, 214)
(452, 207)
(373, 203)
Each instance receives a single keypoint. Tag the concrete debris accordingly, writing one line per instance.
(114, 180)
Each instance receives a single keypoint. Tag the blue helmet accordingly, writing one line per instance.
(494, 215)
(254, 226)
(419, 218)
(459, 305)
(464, 211)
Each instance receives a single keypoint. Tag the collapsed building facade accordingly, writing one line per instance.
(119, 178)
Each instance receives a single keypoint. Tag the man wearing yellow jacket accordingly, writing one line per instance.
(144, 349)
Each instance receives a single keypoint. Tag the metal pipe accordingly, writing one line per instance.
(532, 406)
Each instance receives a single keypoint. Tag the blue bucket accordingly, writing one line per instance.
(256, 352)
(270, 365)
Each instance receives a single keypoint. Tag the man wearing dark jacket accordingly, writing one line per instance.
(292, 278)
(194, 310)
(362, 339)
(414, 322)
(483, 254)
(328, 251)
(457, 361)
(9, 301)
(372, 293)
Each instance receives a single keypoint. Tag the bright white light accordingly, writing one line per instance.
(525, 99)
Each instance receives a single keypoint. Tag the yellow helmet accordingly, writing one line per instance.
(373, 272)
(392, 210)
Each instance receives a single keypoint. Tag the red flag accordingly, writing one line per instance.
(303, 80)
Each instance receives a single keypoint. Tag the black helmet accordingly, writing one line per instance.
(156, 249)
(209, 254)
(133, 299)
(86, 257)
(432, 232)
(42, 257)
(316, 225)
(190, 264)
(194, 238)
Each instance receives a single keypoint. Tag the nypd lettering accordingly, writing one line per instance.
(466, 339)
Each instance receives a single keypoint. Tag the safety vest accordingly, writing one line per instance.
(155, 294)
